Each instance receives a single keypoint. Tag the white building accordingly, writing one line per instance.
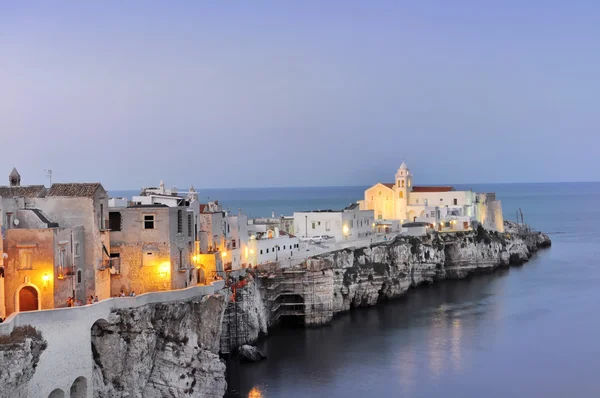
(350, 223)
(272, 246)
(443, 207)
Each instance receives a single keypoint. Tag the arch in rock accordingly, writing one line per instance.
(57, 393)
(79, 388)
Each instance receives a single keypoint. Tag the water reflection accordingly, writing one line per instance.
(423, 337)
(255, 393)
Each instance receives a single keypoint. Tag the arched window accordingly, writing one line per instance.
(401, 194)
(78, 276)
(402, 183)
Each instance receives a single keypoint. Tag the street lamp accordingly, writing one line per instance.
(345, 230)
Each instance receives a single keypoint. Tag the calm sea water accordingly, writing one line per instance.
(529, 331)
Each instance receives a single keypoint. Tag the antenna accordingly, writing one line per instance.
(49, 175)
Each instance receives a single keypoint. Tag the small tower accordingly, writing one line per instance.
(192, 194)
(14, 178)
(402, 187)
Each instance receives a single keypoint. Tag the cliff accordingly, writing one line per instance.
(356, 277)
(160, 350)
(19, 354)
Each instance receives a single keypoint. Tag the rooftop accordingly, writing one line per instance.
(74, 189)
(30, 191)
(432, 189)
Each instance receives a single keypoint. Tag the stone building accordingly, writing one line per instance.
(152, 246)
(443, 207)
(47, 231)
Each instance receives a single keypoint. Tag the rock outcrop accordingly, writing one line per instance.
(160, 350)
(356, 277)
(19, 354)
(249, 353)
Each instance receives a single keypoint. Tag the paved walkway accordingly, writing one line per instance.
(313, 249)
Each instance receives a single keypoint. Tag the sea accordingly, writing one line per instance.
(527, 331)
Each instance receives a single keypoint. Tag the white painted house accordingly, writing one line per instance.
(349, 223)
(272, 246)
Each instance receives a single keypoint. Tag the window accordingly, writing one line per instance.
(319, 223)
(409, 183)
(313, 225)
(78, 276)
(417, 201)
(101, 223)
(261, 252)
(327, 226)
(62, 260)
(180, 258)
(283, 247)
(189, 225)
(233, 244)
(267, 251)
(401, 195)
(8, 217)
(398, 183)
(148, 258)
(77, 254)
(179, 221)
(114, 221)
(441, 199)
(402, 183)
(148, 221)
(25, 259)
(455, 201)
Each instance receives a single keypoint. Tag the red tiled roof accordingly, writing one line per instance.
(433, 189)
(202, 207)
(388, 184)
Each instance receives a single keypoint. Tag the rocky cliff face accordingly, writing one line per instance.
(357, 277)
(19, 354)
(160, 350)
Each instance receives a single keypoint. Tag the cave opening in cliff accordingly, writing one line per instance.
(291, 310)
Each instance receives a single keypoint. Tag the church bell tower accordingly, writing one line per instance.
(402, 188)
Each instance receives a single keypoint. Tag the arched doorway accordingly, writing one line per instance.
(79, 388)
(28, 299)
(58, 393)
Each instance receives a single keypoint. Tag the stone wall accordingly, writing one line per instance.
(68, 360)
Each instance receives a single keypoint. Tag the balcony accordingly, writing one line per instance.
(113, 264)
(65, 272)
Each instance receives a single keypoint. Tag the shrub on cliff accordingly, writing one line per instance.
(19, 334)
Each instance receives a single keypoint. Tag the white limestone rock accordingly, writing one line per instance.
(160, 350)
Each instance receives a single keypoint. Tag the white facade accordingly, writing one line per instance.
(272, 246)
(442, 207)
(350, 223)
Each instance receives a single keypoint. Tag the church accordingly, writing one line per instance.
(442, 207)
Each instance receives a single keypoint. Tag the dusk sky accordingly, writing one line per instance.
(256, 94)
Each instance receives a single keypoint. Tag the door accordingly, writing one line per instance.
(28, 299)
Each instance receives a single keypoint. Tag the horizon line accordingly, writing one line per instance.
(361, 186)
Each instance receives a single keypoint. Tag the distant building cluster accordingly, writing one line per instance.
(70, 244)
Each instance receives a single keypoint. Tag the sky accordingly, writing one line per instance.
(304, 93)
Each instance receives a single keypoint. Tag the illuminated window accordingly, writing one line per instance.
(401, 194)
(409, 183)
(402, 183)
(398, 183)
